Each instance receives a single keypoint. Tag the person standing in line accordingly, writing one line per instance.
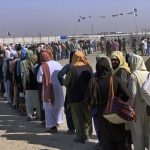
(2, 90)
(95, 109)
(102, 45)
(5, 68)
(108, 47)
(115, 45)
(124, 46)
(52, 91)
(144, 42)
(30, 86)
(120, 44)
(122, 71)
(64, 71)
(148, 47)
(139, 128)
(76, 82)
(112, 136)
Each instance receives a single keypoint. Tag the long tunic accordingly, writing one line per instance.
(56, 110)
(139, 128)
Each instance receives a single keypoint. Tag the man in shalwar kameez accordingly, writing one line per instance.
(52, 91)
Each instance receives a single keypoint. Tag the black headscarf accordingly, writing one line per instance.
(103, 68)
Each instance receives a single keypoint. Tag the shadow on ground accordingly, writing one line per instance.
(16, 127)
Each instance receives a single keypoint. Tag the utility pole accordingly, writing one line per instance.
(135, 15)
(92, 29)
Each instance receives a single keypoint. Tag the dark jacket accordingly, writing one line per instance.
(76, 82)
(98, 89)
(63, 72)
(97, 96)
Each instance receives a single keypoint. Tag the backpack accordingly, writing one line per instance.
(145, 90)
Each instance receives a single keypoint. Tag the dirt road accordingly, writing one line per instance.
(16, 133)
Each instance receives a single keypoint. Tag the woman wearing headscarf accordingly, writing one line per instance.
(122, 71)
(30, 86)
(139, 128)
(52, 92)
(95, 109)
(120, 66)
(76, 82)
(112, 135)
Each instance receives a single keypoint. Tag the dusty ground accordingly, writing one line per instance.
(16, 133)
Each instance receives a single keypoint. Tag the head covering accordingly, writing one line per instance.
(79, 59)
(47, 83)
(136, 62)
(29, 54)
(45, 56)
(26, 63)
(33, 60)
(23, 53)
(99, 56)
(103, 67)
(123, 64)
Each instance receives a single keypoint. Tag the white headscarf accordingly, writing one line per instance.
(136, 62)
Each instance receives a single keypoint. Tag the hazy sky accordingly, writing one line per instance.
(59, 17)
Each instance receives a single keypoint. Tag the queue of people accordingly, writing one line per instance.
(34, 75)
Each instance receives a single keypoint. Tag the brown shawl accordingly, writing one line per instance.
(47, 83)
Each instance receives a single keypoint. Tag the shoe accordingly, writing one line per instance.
(71, 132)
(52, 130)
(79, 140)
(34, 113)
(29, 117)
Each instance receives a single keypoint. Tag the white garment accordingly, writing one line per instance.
(144, 44)
(53, 113)
(52, 116)
(146, 90)
(142, 77)
(6, 81)
(32, 101)
(140, 128)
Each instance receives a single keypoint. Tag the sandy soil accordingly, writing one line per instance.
(16, 133)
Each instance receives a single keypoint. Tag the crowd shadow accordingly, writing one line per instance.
(16, 127)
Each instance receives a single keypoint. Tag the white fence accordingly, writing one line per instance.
(24, 40)
(47, 39)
